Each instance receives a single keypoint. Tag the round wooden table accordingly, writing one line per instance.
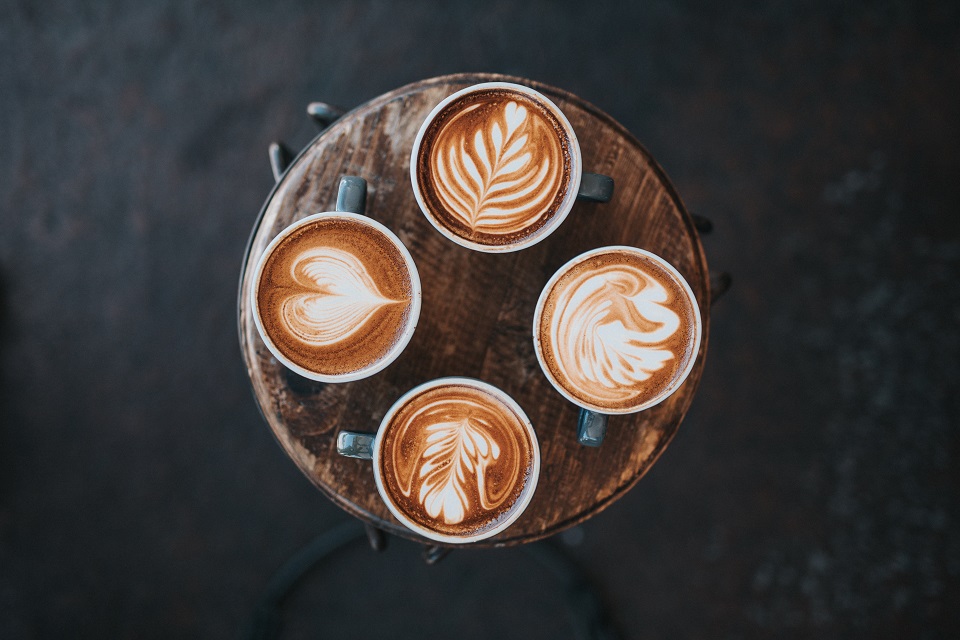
(477, 310)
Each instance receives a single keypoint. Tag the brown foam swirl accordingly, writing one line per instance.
(616, 331)
(456, 459)
(334, 296)
(495, 166)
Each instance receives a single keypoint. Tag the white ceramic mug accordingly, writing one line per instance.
(492, 158)
(465, 469)
(346, 315)
(616, 330)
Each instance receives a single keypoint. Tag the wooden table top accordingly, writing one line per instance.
(477, 313)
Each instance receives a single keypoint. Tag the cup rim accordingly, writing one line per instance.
(680, 378)
(398, 346)
(525, 496)
(569, 200)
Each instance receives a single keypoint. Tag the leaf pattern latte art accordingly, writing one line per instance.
(609, 331)
(497, 175)
(461, 440)
(338, 297)
(457, 449)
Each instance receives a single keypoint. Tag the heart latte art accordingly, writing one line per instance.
(456, 459)
(334, 296)
(338, 297)
(494, 167)
(616, 330)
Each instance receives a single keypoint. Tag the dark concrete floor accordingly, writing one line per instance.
(812, 490)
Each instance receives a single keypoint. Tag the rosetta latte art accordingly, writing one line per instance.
(449, 472)
(496, 177)
(338, 297)
(609, 331)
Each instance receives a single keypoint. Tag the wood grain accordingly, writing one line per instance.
(477, 309)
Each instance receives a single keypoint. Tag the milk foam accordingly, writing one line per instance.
(457, 459)
(494, 167)
(617, 329)
(493, 178)
(458, 451)
(338, 297)
(609, 330)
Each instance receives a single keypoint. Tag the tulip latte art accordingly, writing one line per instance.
(334, 296)
(494, 167)
(456, 459)
(617, 330)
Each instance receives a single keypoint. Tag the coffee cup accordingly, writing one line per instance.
(496, 167)
(336, 295)
(456, 460)
(616, 330)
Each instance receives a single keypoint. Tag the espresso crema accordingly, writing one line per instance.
(334, 296)
(617, 330)
(456, 459)
(494, 167)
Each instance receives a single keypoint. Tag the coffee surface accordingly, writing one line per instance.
(616, 330)
(335, 296)
(455, 459)
(494, 166)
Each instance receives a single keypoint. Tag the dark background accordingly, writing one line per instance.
(812, 489)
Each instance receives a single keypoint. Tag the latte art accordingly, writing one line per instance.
(339, 297)
(460, 444)
(617, 329)
(494, 166)
(610, 331)
(456, 459)
(336, 296)
(492, 176)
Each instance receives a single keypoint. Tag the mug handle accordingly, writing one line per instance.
(595, 187)
(355, 445)
(591, 427)
(352, 195)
